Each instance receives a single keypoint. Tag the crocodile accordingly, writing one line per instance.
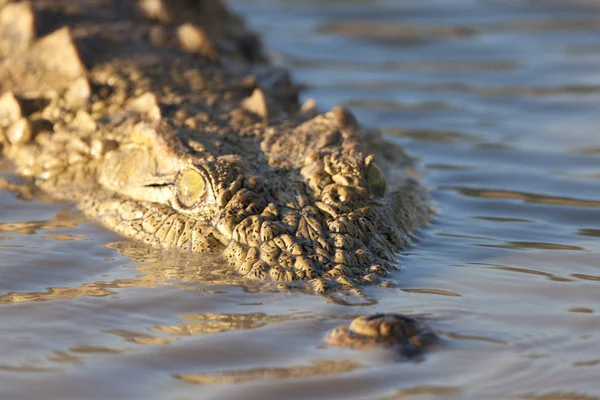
(165, 122)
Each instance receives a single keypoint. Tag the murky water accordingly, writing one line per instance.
(499, 100)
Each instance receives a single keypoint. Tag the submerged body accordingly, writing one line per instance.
(164, 122)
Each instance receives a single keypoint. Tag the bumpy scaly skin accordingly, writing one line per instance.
(165, 123)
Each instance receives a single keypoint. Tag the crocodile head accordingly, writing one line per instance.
(280, 203)
(204, 151)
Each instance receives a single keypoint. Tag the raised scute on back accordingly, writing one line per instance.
(48, 68)
(17, 28)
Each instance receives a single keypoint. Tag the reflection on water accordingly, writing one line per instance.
(317, 368)
(499, 100)
(527, 197)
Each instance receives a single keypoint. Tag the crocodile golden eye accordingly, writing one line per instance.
(190, 187)
(376, 179)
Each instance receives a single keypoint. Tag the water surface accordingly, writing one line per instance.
(500, 103)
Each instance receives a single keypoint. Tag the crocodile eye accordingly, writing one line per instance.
(376, 179)
(190, 187)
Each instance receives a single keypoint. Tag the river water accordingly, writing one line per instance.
(499, 101)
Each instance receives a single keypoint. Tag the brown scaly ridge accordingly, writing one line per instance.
(164, 121)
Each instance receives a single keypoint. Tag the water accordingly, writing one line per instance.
(500, 102)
